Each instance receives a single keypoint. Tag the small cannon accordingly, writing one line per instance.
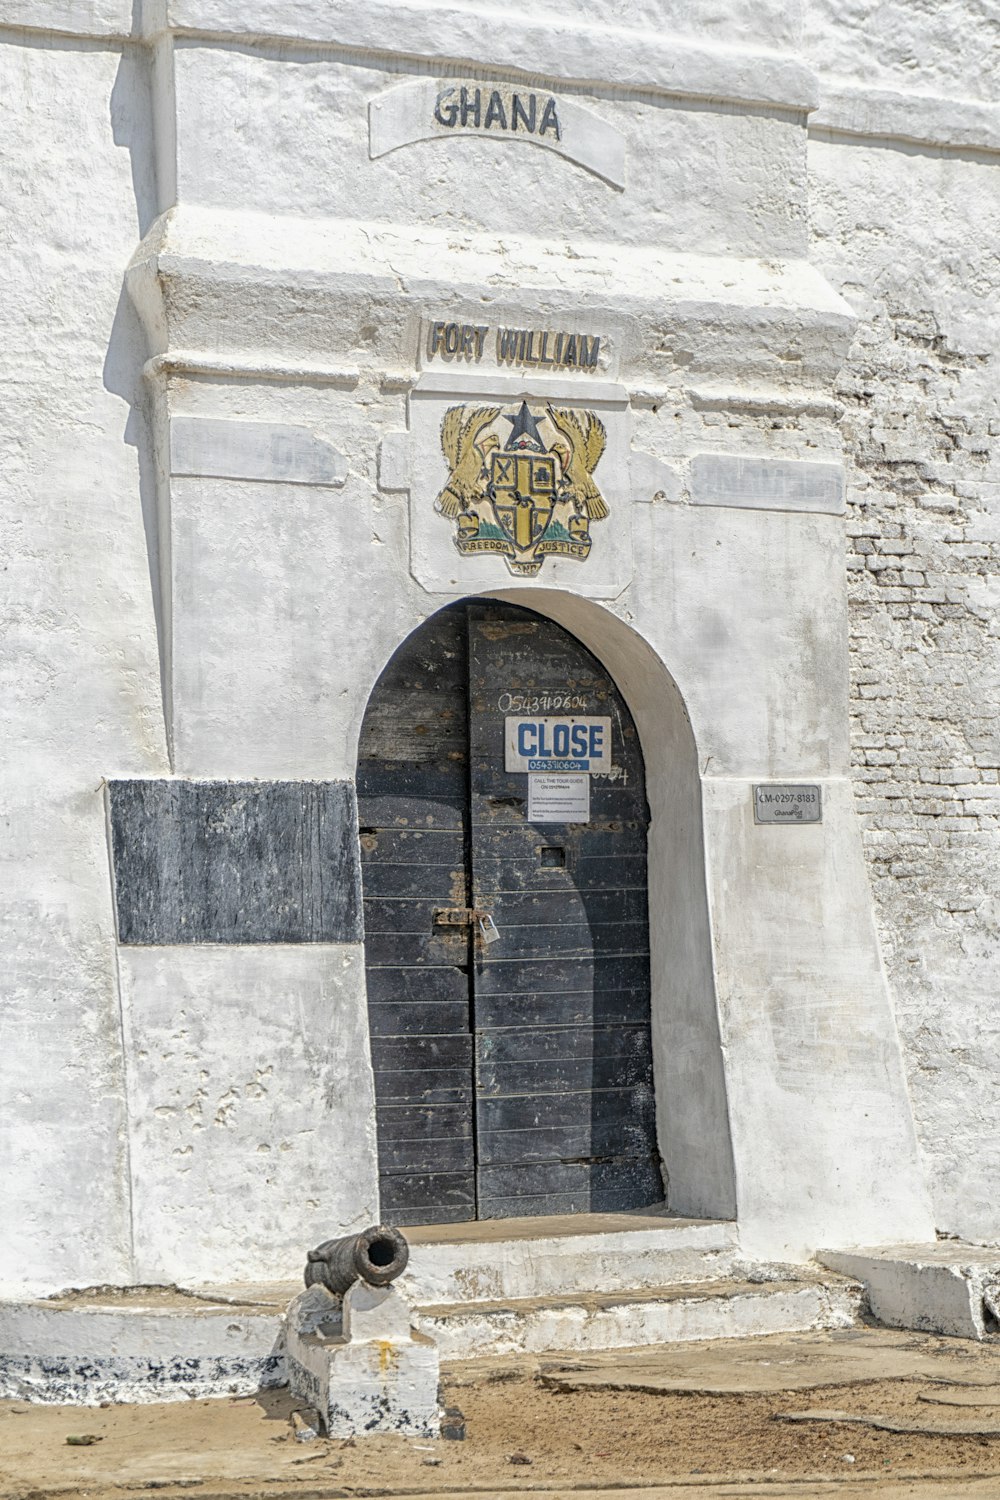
(353, 1351)
(377, 1255)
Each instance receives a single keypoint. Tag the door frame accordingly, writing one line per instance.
(693, 1130)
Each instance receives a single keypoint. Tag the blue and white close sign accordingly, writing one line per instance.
(557, 743)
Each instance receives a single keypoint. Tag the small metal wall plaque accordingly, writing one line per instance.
(781, 803)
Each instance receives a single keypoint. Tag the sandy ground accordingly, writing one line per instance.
(705, 1419)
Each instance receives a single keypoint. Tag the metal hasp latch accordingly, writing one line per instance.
(467, 916)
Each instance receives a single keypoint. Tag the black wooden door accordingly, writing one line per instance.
(512, 1078)
(413, 813)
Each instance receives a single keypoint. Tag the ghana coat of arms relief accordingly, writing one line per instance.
(520, 481)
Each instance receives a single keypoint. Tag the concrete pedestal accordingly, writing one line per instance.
(360, 1365)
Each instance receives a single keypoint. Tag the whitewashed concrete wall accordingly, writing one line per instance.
(738, 588)
(251, 1122)
(97, 1187)
(260, 610)
(81, 690)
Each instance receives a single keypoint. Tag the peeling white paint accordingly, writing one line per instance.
(250, 1120)
(147, 1347)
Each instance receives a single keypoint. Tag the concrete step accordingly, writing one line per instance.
(943, 1287)
(568, 1254)
(718, 1309)
(143, 1344)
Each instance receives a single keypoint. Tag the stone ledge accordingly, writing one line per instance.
(201, 278)
(560, 48)
(140, 1345)
(923, 119)
(564, 1255)
(654, 1315)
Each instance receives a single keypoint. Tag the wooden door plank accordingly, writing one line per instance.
(428, 1197)
(545, 1111)
(408, 984)
(399, 881)
(413, 817)
(565, 1117)
(614, 1186)
(419, 847)
(561, 1075)
(566, 907)
(555, 972)
(434, 1017)
(569, 940)
(444, 1153)
(564, 1008)
(582, 1138)
(542, 1042)
(526, 873)
(414, 1122)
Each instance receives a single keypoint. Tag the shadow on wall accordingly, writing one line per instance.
(131, 118)
(690, 1084)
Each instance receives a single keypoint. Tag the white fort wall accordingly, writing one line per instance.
(81, 681)
(199, 1111)
(905, 213)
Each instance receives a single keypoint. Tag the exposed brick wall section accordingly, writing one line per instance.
(922, 551)
(920, 427)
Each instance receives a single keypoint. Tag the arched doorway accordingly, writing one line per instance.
(513, 1076)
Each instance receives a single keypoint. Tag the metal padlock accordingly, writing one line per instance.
(488, 928)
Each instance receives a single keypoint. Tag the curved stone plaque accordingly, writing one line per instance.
(446, 108)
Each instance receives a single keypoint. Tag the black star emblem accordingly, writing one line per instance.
(525, 432)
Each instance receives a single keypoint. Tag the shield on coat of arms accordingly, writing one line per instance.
(520, 481)
(523, 487)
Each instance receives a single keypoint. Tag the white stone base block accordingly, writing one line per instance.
(563, 1255)
(142, 1345)
(377, 1375)
(725, 1309)
(947, 1288)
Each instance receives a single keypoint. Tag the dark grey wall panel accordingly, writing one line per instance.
(236, 862)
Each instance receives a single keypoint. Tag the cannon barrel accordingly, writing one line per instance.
(377, 1255)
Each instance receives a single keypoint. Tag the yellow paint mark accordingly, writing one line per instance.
(387, 1356)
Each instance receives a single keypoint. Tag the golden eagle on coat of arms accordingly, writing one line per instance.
(521, 481)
